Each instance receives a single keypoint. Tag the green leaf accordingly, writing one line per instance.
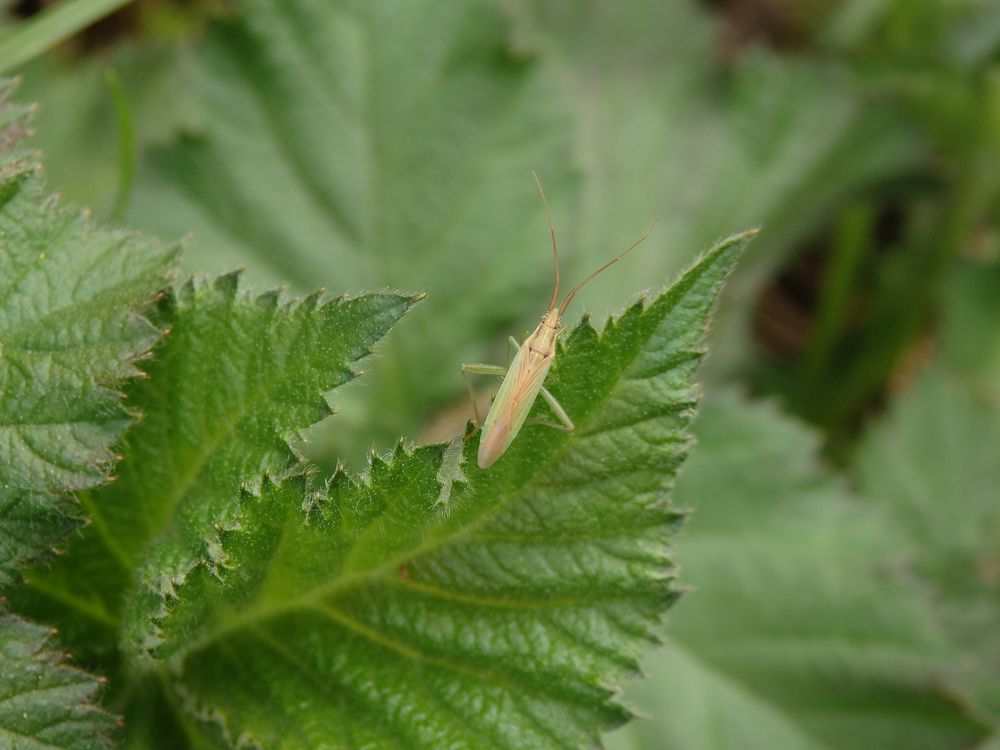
(70, 331)
(797, 634)
(46, 29)
(367, 144)
(235, 379)
(32, 525)
(43, 702)
(70, 334)
(369, 613)
(932, 466)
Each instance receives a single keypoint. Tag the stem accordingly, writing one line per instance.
(851, 245)
(126, 143)
(44, 30)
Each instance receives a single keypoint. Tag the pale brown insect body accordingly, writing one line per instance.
(524, 379)
(519, 390)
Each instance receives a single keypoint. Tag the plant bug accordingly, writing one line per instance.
(523, 380)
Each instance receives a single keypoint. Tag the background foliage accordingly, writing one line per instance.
(843, 551)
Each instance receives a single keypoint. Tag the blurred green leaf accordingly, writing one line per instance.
(915, 33)
(933, 466)
(126, 141)
(76, 121)
(33, 525)
(45, 703)
(371, 144)
(46, 29)
(796, 634)
(667, 126)
(970, 336)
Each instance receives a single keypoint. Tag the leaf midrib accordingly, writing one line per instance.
(385, 641)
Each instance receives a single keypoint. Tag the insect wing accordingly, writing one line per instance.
(512, 404)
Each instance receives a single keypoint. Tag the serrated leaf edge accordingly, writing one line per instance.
(167, 588)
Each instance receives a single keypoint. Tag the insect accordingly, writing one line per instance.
(523, 380)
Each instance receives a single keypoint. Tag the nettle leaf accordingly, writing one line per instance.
(32, 524)
(43, 702)
(70, 330)
(933, 466)
(70, 333)
(370, 613)
(236, 379)
(798, 634)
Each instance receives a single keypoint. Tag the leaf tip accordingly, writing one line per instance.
(269, 300)
(228, 283)
(735, 242)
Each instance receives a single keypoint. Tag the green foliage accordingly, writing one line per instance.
(71, 333)
(70, 330)
(155, 93)
(970, 340)
(366, 608)
(240, 585)
(891, 258)
(236, 378)
(932, 465)
(47, 29)
(43, 702)
(796, 631)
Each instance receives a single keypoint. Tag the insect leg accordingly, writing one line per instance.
(511, 341)
(565, 423)
(479, 369)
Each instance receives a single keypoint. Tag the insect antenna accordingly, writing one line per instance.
(555, 248)
(626, 251)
